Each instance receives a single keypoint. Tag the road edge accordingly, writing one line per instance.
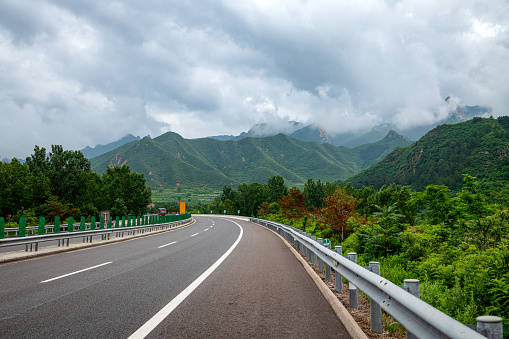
(341, 312)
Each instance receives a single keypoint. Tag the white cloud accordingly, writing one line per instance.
(83, 73)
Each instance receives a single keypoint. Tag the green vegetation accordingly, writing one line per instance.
(192, 196)
(171, 163)
(456, 244)
(63, 184)
(479, 147)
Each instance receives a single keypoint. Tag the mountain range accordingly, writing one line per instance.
(477, 147)
(319, 134)
(90, 152)
(170, 161)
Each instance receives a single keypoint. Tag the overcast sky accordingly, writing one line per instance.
(78, 73)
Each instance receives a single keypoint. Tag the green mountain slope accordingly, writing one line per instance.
(170, 160)
(478, 147)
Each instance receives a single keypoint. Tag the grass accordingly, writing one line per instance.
(192, 196)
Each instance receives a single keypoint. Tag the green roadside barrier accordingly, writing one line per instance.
(56, 228)
(42, 224)
(22, 227)
(2, 227)
(92, 223)
(70, 226)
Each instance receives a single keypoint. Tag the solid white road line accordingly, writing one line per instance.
(144, 330)
(195, 234)
(68, 274)
(171, 243)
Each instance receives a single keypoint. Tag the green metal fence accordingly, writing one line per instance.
(124, 222)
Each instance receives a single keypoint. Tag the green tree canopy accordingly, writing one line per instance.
(120, 183)
(277, 188)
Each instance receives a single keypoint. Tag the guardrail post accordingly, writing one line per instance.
(117, 220)
(492, 326)
(22, 227)
(70, 224)
(412, 287)
(2, 227)
(375, 309)
(128, 221)
(327, 268)
(123, 222)
(92, 223)
(338, 279)
(83, 227)
(320, 261)
(313, 254)
(352, 289)
(101, 223)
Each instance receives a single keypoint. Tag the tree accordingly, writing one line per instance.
(228, 193)
(439, 205)
(471, 202)
(293, 205)
(266, 209)
(216, 206)
(315, 193)
(120, 183)
(15, 192)
(229, 207)
(119, 208)
(277, 188)
(38, 163)
(67, 172)
(250, 197)
(54, 208)
(340, 208)
(386, 230)
(390, 195)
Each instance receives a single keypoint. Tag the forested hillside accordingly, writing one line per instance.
(171, 161)
(478, 147)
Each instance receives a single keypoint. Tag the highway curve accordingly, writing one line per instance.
(163, 286)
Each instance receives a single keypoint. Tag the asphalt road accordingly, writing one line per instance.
(149, 287)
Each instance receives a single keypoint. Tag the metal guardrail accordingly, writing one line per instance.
(420, 319)
(64, 237)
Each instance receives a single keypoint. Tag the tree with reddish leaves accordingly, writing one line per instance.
(265, 209)
(54, 208)
(340, 208)
(293, 205)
